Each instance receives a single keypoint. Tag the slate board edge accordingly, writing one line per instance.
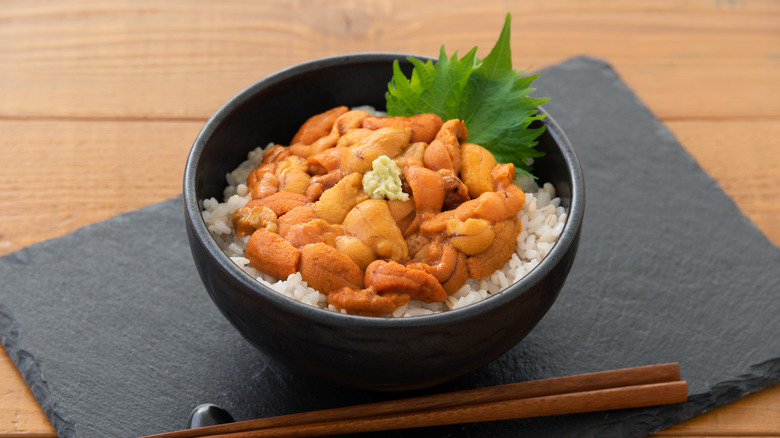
(609, 69)
(26, 363)
(758, 377)
(29, 368)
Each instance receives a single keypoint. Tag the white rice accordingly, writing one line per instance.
(542, 218)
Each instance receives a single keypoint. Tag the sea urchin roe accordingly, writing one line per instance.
(384, 180)
(374, 225)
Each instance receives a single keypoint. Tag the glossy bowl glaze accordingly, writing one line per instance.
(365, 352)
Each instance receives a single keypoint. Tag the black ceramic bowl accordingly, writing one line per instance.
(365, 352)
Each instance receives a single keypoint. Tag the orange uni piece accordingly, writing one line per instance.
(268, 252)
(318, 126)
(327, 269)
(444, 150)
(391, 277)
(499, 252)
(445, 263)
(366, 302)
(280, 202)
(424, 126)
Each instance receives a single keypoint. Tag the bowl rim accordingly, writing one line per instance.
(195, 221)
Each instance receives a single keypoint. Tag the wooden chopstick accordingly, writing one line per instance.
(578, 402)
(605, 390)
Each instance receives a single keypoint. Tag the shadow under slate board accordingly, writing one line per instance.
(112, 329)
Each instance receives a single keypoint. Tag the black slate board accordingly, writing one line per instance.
(112, 329)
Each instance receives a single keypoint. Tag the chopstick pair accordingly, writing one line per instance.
(636, 387)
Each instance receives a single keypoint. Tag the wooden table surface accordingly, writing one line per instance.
(100, 101)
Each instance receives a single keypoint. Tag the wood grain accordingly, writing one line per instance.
(70, 173)
(753, 416)
(101, 100)
(20, 415)
(55, 67)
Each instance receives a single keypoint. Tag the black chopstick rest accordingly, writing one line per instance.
(208, 414)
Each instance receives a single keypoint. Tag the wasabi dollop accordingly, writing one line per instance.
(384, 180)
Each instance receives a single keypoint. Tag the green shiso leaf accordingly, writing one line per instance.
(487, 94)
